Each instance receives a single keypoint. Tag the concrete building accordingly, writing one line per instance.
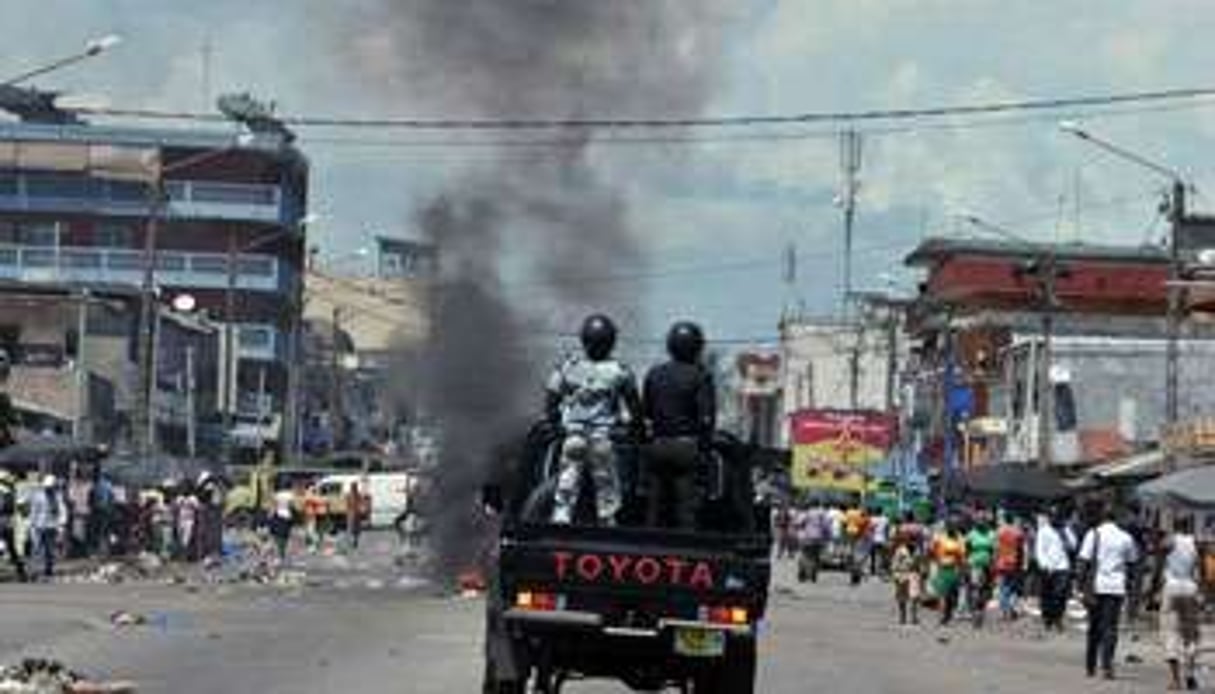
(977, 329)
(78, 215)
(831, 363)
(359, 333)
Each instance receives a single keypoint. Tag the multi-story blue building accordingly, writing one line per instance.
(76, 210)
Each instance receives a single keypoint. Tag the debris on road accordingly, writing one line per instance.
(42, 676)
(122, 618)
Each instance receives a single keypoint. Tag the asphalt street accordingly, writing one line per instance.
(355, 626)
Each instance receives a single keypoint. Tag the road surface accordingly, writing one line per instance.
(357, 628)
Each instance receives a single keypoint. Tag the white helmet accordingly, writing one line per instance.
(49, 482)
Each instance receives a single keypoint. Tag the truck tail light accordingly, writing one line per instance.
(724, 615)
(541, 602)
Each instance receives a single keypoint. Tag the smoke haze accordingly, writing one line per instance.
(550, 215)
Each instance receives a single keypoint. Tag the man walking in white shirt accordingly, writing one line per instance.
(1054, 544)
(1108, 552)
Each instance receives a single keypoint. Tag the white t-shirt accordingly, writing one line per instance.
(1115, 550)
(880, 529)
(1181, 566)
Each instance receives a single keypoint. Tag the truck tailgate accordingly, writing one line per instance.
(636, 577)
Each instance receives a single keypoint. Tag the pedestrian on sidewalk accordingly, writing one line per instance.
(1108, 552)
(1053, 547)
(949, 556)
(355, 504)
(810, 526)
(101, 514)
(907, 572)
(187, 525)
(1010, 565)
(1178, 577)
(8, 522)
(980, 556)
(282, 519)
(879, 544)
(48, 519)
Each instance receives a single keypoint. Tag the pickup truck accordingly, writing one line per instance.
(650, 607)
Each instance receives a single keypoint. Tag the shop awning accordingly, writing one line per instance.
(1137, 466)
(1192, 488)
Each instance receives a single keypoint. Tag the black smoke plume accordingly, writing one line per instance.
(547, 213)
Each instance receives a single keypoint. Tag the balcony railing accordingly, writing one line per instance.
(122, 266)
(45, 192)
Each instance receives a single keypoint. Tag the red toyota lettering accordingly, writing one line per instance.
(648, 570)
(620, 566)
(702, 576)
(589, 567)
(563, 563)
(675, 566)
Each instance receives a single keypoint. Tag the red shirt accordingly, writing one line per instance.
(1010, 541)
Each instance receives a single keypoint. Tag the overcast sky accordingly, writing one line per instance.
(715, 217)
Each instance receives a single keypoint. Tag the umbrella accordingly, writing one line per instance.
(1008, 480)
(1193, 488)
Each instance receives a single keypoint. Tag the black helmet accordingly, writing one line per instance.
(685, 342)
(598, 336)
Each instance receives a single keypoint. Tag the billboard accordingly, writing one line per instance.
(833, 449)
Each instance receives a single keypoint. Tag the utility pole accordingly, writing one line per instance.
(1177, 212)
(337, 423)
(83, 435)
(1046, 272)
(191, 425)
(1046, 391)
(892, 355)
(854, 369)
(142, 424)
(850, 164)
(231, 362)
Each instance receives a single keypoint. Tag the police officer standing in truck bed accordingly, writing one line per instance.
(680, 409)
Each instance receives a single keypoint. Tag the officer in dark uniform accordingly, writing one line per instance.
(681, 411)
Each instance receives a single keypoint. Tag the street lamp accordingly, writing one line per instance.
(92, 48)
(1177, 212)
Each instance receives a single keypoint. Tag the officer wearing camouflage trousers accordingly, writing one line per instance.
(588, 396)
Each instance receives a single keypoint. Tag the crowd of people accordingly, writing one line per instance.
(959, 562)
(45, 518)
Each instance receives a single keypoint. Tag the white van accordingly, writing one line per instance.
(389, 493)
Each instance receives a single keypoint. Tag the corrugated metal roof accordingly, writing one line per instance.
(87, 133)
(935, 248)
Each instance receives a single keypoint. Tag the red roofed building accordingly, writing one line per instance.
(981, 312)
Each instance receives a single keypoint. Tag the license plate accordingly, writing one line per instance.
(700, 643)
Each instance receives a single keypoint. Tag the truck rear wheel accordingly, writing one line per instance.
(492, 685)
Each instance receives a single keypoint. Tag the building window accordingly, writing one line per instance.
(256, 337)
(41, 234)
(170, 262)
(126, 191)
(57, 187)
(209, 264)
(232, 193)
(81, 259)
(259, 267)
(111, 235)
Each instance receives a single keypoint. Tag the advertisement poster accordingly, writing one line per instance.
(833, 449)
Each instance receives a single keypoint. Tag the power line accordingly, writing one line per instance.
(734, 121)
